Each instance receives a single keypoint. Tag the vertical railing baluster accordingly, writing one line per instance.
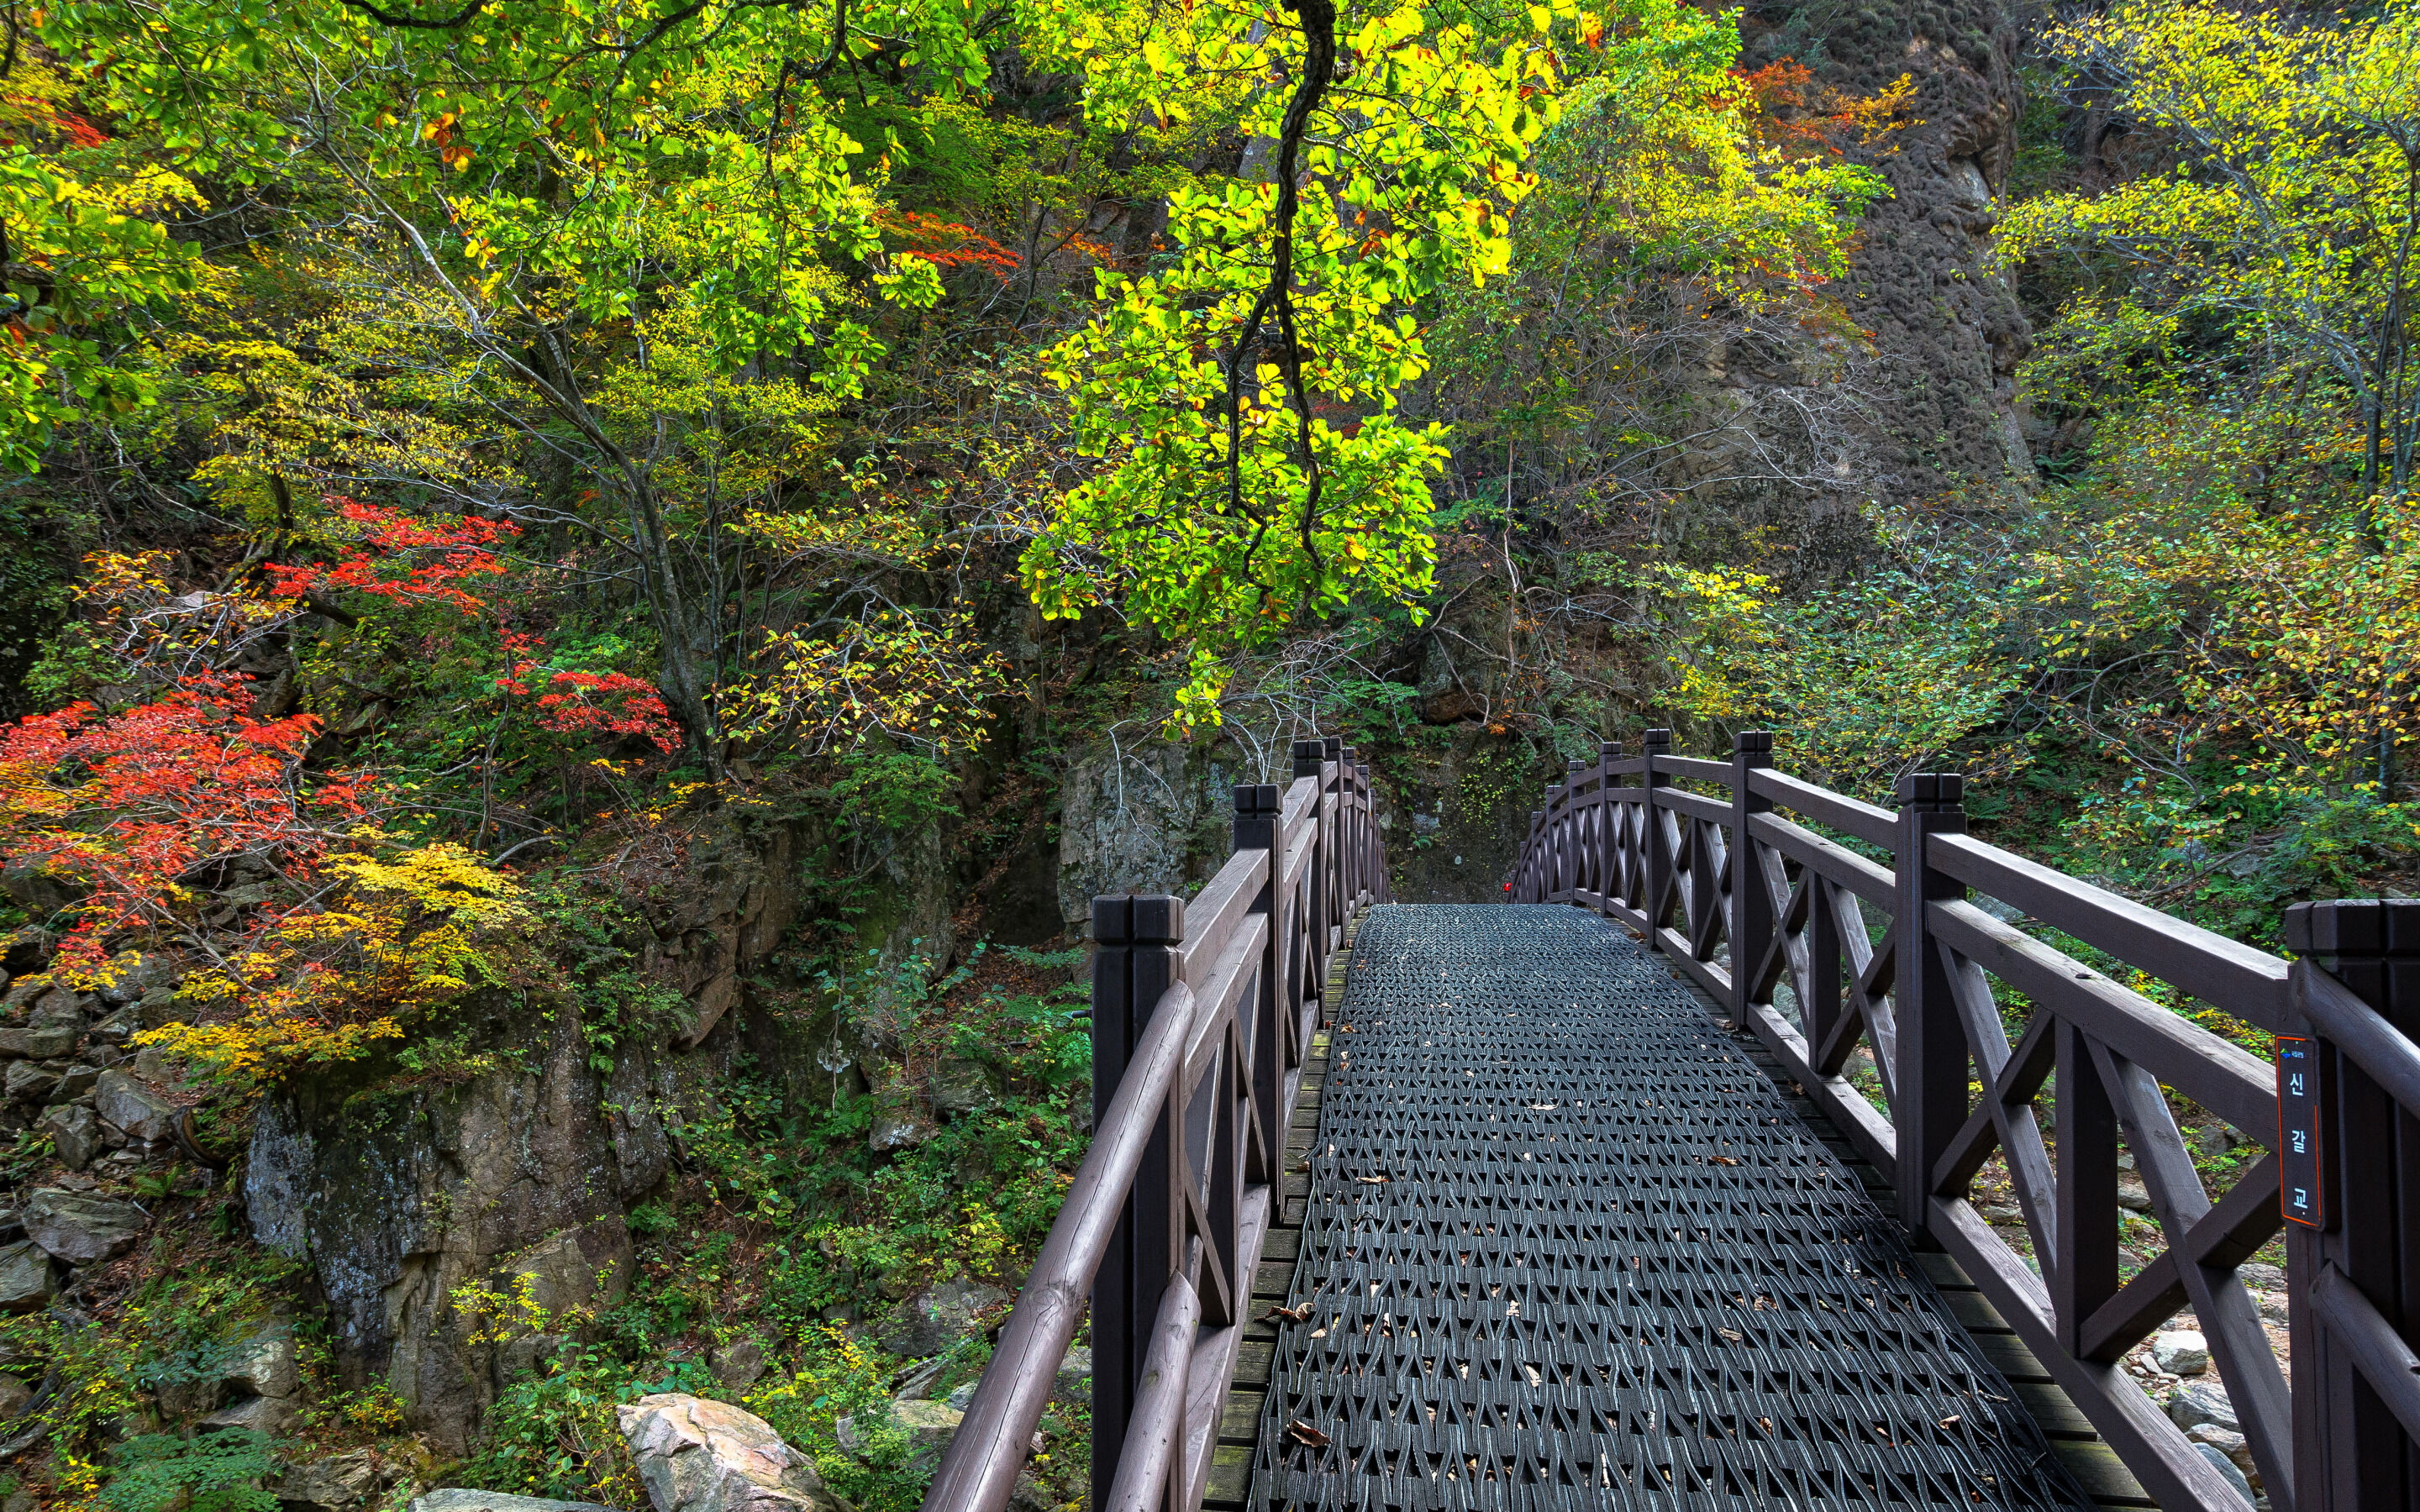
(1137, 961)
(1659, 853)
(1751, 905)
(1931, 1074)
(2083, 1274)
(1256, 829)
(1311, 965)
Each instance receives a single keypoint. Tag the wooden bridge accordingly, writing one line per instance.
(1659, 1188)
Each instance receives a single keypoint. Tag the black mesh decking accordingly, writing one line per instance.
(1566, 1248)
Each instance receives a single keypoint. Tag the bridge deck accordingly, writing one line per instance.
(1564, 1248)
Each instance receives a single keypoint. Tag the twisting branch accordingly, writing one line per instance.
(1318, 19)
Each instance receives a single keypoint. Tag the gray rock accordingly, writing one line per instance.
(133, 1109)
(738, 1364)
(937, 1317)
(117, 1027)
(29, 1081)
(1075, 1380)
(266, 1365)
(961, 1396)
(76, 1133)
(27, 949)
(2132, 1195)
(132, 974)
(14, 1395)
(928, 1426)
(157, 1009)
(81, 1229)
(39, 1041)
(334, 1485)
(2183, 1352)
(452, 1500)
(272, 1416)
(75, 1080)
(896, 1132)
(28, 1281)
(2237, 1448)
(699, 1456)
(2197, 1402)
(960, 1087)
(2226, 1468)
(2261, 1274)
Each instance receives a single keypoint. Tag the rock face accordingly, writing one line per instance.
(937, 1317)
(80, 1229)
(27, 1280)
(1146, 816)
(700, 1456)
(396, 1199)
(451, 1499)
(334, 1485)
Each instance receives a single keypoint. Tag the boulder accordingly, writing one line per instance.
(452, 1500)
(2183, 1352)
(118, 1028)
(937, 1317)
(2226, 1468)
(1075, 1380)
(334, 1485)
(738, 1364)
(40, 1042)
(131, 1108)
(131, 974)
(28, 1281)
(81, 1229)
(14, 1395)
(76, 1133)
(928, 1427)
(2237, 1448)
(29, 1081)
(265, 1366)
(27, 949)
(2132, 1195)
(699, 1456)
(960, 1087)
(896, 1132)
(158, 1008)
(2197, 1402)
(272, 1416)
(75, 1080)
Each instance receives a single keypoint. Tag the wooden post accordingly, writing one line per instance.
(1659, 853)
(2350, 1454)
(1135, 963)
(1931, 1083)
(1751, 905)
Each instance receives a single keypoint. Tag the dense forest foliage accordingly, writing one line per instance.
(595, 544)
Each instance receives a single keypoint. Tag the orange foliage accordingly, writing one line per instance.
(125, 806)
(403, 559)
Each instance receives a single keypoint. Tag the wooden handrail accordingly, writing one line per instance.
(1200, 1009)
(1753, 897)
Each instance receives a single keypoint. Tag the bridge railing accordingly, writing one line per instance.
(1881, 957)
(1203, 1014)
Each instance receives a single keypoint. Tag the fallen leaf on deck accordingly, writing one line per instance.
(1302, 1432)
